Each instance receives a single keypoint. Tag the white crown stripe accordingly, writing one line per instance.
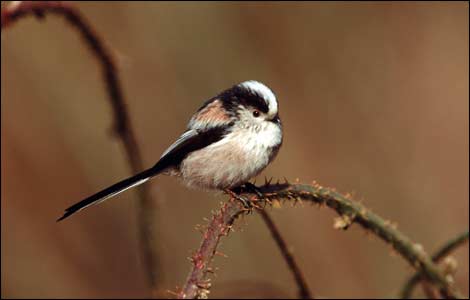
(264, 92)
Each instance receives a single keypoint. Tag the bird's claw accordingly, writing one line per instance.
(235, 194)
(254, 189)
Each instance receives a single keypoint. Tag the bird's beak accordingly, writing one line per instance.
(276, 120)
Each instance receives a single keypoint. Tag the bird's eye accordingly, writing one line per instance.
(255, 113)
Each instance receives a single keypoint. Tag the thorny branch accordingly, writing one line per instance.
(19, 9)
(197, 284)
(16, 10)
(443, 252)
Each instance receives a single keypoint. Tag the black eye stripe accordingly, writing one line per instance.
(236, 95)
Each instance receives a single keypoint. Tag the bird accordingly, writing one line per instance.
(230, 139)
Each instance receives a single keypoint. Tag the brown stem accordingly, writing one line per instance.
(350, 212)
(197, 285)
(14, 11)
(446, 249)
(430, 291)
(304, 291)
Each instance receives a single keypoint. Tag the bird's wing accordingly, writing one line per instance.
(182, 139)
(188, 142)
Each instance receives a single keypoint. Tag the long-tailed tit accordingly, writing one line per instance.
(229, 140)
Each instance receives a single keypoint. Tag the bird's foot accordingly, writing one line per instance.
(250, 187)
(235, 193)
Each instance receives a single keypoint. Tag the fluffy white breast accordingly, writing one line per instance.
(239, 156)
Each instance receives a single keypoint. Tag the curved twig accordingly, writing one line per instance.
(350, 212)
(446, 249)
(16, 10)
(304, 291)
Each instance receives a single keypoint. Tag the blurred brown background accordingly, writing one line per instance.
(373, 98)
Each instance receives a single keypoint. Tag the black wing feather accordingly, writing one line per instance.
(184, 147)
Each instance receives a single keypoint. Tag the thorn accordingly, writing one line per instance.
(392, 252)
(449, 266)
(172, 293)
(220, 254)
(204, 285)
(418, 248)
(200, 228)
(343, 222)
(276, 203)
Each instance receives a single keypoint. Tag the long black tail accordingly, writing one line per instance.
(113, 190)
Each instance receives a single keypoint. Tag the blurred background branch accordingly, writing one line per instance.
(366, 92)
(443, 252)
(303, 290)
(146, 208)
